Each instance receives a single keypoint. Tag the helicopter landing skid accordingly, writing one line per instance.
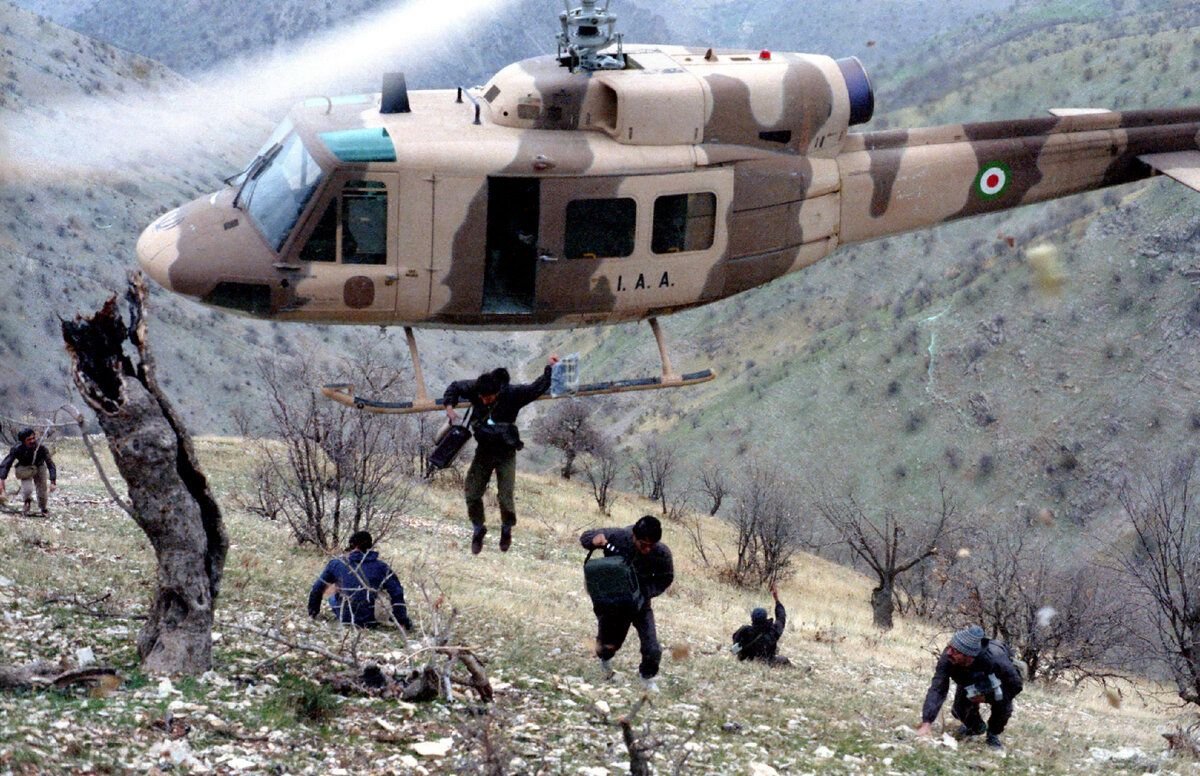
(343, 393)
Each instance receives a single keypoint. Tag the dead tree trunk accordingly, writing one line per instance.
(169, 493)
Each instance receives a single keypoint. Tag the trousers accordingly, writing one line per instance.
(504, 464)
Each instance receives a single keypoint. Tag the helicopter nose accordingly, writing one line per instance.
(158, 247)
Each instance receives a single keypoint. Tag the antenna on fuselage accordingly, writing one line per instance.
(581, 38)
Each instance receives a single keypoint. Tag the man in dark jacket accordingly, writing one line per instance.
(760, 639)
(34, 468)
(495, 403)
(983, 673)
(651, 560)
(358, 578)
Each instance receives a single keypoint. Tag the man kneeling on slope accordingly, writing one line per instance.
(357, 578)
(983, 673)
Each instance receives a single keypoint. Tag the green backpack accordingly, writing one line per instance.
(612, 583)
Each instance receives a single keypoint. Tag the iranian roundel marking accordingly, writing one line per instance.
(992, 180)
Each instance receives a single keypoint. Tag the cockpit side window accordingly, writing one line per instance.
(322, 243)
(353, 228)
(684, 222)
(600, 228)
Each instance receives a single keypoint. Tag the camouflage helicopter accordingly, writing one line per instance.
(608, 183)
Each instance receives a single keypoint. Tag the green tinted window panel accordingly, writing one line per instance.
(361, 145)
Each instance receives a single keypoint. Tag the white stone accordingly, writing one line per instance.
(437, 748)
(603, 707)
(762, 769)
(84, 656)
(823, 752)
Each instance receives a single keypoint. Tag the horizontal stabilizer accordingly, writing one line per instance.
(343, 393)
(1183, 166)
(1077, 111)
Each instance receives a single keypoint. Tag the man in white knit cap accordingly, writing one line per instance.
(983, 672)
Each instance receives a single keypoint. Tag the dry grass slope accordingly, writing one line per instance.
(848, 708)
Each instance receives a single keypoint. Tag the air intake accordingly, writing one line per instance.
(395, 94)
(858, 87)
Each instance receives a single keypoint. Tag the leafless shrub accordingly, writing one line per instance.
(714, 483)
(325, 469)
(765, 516)
(602, 465)
(1064, 618)
(567, 428)
(1164, 567)
(652, 470)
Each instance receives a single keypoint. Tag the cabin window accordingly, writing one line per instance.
(600, 228)
(353, 226)
(684, 222)
(364, 223)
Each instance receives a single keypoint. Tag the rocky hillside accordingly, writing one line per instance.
(71, 590)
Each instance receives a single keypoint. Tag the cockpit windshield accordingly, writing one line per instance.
(278, 184)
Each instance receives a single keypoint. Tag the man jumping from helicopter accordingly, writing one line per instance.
(495, 402)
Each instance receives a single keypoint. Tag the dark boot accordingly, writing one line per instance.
(993, 740)
(505, 537)
(477, 539)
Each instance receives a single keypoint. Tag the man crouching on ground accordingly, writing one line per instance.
(983, 673)
(358, 577)
(651, 560)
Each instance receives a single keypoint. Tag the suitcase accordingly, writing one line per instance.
(449, 445)
(612, 584)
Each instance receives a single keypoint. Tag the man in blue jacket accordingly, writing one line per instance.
(357, 578)
(983, 673)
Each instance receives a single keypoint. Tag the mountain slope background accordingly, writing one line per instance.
(940, 353)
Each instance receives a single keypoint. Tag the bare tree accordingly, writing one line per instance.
(653, 470)
(1164, 566)
(328, 470)
(886, 543)
(1065, 618)
(765, 517)
(168, 493)
(602, 465)
(567, 428)
(714, 483)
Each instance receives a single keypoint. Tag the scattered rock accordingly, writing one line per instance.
(823, 752)
(762, 769)
(437, 748)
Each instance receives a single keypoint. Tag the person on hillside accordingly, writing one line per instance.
(642, 545)
(356, 580)
(760, 639)
(34, 469)
(983, 672)
(495, 402)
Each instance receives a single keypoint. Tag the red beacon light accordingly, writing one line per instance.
(764, 55)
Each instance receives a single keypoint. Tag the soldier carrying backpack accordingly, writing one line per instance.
(760, 639)
(622, 589)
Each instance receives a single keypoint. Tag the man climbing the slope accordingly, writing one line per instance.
(641, 545)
